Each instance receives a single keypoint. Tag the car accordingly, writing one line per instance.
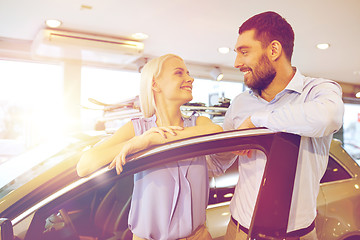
(52, 202)
(338, 202)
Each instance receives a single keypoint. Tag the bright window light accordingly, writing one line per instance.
(203, 89)
(31, 101)
(107, 86)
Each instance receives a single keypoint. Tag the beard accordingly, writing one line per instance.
(262, 75)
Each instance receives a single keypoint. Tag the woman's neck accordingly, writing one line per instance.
(169, 116)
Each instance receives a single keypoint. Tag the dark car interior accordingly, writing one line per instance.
(99, 212)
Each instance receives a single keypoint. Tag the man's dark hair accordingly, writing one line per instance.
(270, 26)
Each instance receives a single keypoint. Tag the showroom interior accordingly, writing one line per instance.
(70, 71)
(48, 91)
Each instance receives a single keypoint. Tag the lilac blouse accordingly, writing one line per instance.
(169, 202)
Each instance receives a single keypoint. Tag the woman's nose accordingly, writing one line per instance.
(190, 79)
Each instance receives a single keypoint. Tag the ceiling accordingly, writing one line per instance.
(194, 29)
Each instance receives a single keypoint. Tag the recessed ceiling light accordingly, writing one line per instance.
(223, 50)
(357, 95)
(323, 46)
(140, 36)
(53, 23)
(85, 7)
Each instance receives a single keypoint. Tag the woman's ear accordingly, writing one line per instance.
(155, 86)
(275, 50)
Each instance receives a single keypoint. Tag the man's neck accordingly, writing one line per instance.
(281, 80)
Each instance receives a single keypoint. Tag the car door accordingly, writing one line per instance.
(272, 206)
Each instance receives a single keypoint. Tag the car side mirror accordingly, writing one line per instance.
(6, 229)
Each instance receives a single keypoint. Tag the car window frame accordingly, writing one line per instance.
(257, 138)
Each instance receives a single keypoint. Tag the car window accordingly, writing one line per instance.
(334, 172)
(222, 187)
(40, 159)
(100, 205)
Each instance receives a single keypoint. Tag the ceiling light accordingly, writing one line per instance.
(223, 50)
(216, 74)
(140, 36)
(85, 7)
(323, 46)
(357, 95)
(53, 23)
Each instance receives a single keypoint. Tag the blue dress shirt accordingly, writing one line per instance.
(309, 107)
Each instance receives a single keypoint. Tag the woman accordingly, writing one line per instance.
(168, 202)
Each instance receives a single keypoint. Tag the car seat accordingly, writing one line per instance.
(111, 216)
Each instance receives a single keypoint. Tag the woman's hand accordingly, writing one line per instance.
(153, 136)
(129, 147)
(163, 130)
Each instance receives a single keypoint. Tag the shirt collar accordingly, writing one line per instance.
(296, 84)
(252, 93)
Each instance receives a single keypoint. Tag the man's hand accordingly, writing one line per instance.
(247, 124)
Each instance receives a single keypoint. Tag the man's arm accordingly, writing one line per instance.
(318, 117)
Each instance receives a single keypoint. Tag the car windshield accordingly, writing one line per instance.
(19, 170)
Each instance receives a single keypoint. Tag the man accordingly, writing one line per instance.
(281, 99)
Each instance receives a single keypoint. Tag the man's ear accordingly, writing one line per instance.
(275, 50)
(155, 86)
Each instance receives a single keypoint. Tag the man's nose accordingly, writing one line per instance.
(238, 61)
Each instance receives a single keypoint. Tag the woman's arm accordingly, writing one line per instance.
(104, 153)
(123, 141)
(163, 135)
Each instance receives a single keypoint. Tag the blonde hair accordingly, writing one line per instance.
(149, 73)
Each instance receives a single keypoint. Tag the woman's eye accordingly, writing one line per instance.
(179, 73)
(243, 52)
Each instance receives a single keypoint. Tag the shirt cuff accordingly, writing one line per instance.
(259, 119)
